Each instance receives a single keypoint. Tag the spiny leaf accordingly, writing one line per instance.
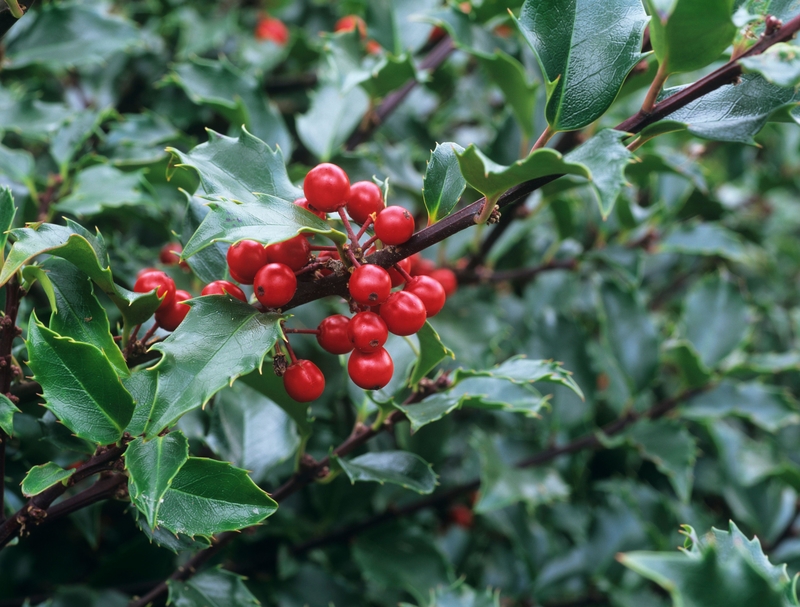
(7, 411)
(443, 184)
(431, 352)
(43, 477)
(402, 468)
(214, 588)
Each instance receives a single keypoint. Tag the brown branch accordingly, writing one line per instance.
(105, 488)
(484, 275)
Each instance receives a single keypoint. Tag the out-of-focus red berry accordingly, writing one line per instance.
(447, 278)
(269, 28)
(350, 23)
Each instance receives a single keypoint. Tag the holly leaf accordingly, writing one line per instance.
(443, 183)
(706, 239)
(208, 497)
(671, 448)
(431, 352)
(492, 179)
(220, 340)
(101, 188)
(779, 64)
(402, 468)
(69, 139)
(238, 168)
(585, 50)
(18, 166)
(33, 118)
(334, 114)
(521, 370)
(152, 466)
(43, 477)
(7, 411)
(177, 543)
(509, 75)
(210, 263)
(690, 35)
(7, 213)
(214, 588)
(79, 384)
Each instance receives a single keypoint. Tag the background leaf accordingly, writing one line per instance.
(398, 467)
(443, 183)
(43, 477)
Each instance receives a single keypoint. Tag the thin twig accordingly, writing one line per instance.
(8, 331)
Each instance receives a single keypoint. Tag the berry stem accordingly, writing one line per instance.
(364, 227)
(348, 227)
(402, 272)
(312, 267)
(351, 256)
(546, 135)
(369, 243)
(150, 332)
(302, 331)
(292, 357)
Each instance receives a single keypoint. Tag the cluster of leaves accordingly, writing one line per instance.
(659, 270)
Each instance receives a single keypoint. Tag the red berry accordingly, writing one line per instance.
(370, 285)
(447, 278)
(170, 254)
(430, 291)
(293, 252)
(275, 285)
(303, 203)
(269, 28)
(421, 266)
(394, 225)
(397, 277)
(326, 187)
(461, 515)
(403, 313)
(332, 334)
(325, 255)
(365, 198)
(223, 287)
(155, 279)
(367, 332)
(373, 47)
(350, 23)
(169, 318)
(304, 381)
(245, 258)
(370, 370)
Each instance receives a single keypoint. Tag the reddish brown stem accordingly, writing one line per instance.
(369, 243)
(364, 227)
(400, 270)
(348, 227)
(352, 257)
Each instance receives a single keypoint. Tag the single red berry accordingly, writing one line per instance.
(365, 198)
(325, 255)
(349, 23)
(293, 252)
(269, 28)
(224, 287)
(332, 334)
(430, 291)
(447, 278)
(155, 279)
(304, 381)
(326, 187)
(403, 313)
(170, 254)
(421, 266)
(367, 332)
(169, 318)
(245, 258)
(397, 277)
(373, 47)
(394, 225)
(275, 285)
(461, 515)
(303, 203)
(370, 370)
(370, 285)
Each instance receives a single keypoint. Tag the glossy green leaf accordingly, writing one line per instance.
(684, 356)
(7, 213)
(431, 352)
(586, 50)
(207, 497)
(397, 24)
(443, 184)
(7, 411)
(251, 431)
(79, 385)
(214, 588)
(210, 263)
(334, 114)
(270, 385)
(402, 468)
(771, 362)
(66, 35)
(779, 64)
(33, 274)
(238, 168)
(161, 536)
(33, 118)
(509, 75)
(523, 370)
(492, 179)
(102, 188)
(606, 157)
(671, 448)
(461, 595)
(706, 239)
(78, 314)
(221, 339)
(69, 139)
(43, 477)
(17, 165)
(690, 35)
(152, 466)
(716, 319)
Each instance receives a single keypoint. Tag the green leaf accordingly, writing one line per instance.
(177, 543)
(269, 221)
(492, 179)
(87, 252)
(78, 314)
(503, 485)
(210, 263)
(396, 25)
(431, 352)
(17, 165)
(251, 431)
(631, 333)
(32, 274)
(221, 339)
(7, 411)
(606, 157)
(334, 114)
(443, 183)
(586, 50)
(521, 370)
(33, 118)
(768, 407)
(722, 569)
(69, 139)
(509, 75)
(101, 188)
(779, 64)
(7, 213)
(461, 595)
(238, 168)
(79, 385)
(66, 35)
(684, 356)
(690, 35)
(152, 466)
(671, 448)
(214, 588)
(402, 468)
(716, 319)
(771, 362)
(43, 477)
(706, 239)
(207, 497)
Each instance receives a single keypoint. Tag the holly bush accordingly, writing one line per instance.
(399, 302)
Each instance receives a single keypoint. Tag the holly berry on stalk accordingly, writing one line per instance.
(365, 198)
(394, 225)
(269, 28)
(430, 292)
(156, 280)
(367, 332)
(245, 258)
(224, 287)
(326, 187)
(370, 285)
(447, 278)
(169, 318)
(403, 313)
(304, 381)
(303, 204)
(370, 370)
(275, 285)
(170, 254)
(293, 252)
(332, 334)
(350, 23)
(396, 276)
